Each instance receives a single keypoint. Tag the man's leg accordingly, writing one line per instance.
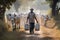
(31, 27)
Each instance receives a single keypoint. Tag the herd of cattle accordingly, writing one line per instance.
(13, 20)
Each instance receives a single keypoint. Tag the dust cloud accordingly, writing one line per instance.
(23, 6)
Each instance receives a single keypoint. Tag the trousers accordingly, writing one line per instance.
(31, 27)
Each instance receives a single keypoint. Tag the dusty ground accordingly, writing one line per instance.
(46, 33)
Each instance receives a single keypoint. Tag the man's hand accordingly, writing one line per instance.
(37, 21)
(26, 21)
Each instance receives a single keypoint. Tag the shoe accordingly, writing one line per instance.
(32, 32)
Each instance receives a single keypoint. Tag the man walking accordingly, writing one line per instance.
(31, 18)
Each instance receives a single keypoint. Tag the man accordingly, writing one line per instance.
(32, 18)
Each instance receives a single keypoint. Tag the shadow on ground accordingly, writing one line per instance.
(21, 36)
(37, 38)
(57, 19)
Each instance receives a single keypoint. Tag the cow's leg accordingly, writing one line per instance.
(14, 27)
(19, 25)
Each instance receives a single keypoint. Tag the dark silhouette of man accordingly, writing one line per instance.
(31, 18)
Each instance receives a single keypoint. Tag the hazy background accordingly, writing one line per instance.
(23, 6)
(41, 7)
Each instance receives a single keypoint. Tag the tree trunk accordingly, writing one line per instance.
(2, 12)
(54, 7)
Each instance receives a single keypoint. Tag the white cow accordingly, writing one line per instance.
(13, 20)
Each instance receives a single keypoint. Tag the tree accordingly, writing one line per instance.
(3, 5)
(53, 4)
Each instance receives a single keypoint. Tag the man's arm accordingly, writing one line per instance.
(27, 18)
(36, 19)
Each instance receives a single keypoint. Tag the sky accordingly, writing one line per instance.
(23, 6)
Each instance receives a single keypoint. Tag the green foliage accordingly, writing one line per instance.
(53, 5)
(52, 2)
(49, 0)
(3, 5)
(6, 3)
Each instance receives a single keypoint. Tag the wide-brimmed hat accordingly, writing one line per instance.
(31, 9)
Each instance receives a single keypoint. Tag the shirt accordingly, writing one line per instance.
(31, 17)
